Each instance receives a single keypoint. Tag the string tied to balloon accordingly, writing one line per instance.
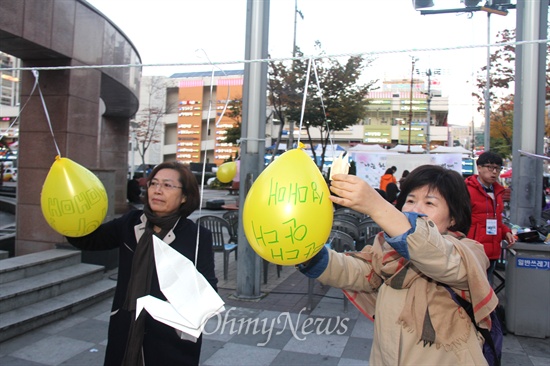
(37, 84)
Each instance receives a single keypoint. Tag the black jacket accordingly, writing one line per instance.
(161, 344)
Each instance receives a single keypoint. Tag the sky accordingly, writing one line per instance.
(392, 31)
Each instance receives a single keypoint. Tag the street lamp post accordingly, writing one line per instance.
(491, 8)
(429, 116)
(487, 94)
(291, 123)
(413, 59)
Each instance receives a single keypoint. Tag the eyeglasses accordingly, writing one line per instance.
(494, 168)
(164, 186)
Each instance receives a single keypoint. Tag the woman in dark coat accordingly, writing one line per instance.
(172, 195)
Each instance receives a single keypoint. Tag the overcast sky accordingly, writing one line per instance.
(171, 31)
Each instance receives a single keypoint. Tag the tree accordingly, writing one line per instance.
(501, 89)
(146, 128)
(235, 112)
(340, 101)
(502, 121)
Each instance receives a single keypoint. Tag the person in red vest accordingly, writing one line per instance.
(486, 196)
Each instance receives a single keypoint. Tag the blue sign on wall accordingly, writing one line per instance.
(534, 263)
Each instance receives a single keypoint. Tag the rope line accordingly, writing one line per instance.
(303, 58)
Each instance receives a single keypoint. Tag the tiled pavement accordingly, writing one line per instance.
(275, 330)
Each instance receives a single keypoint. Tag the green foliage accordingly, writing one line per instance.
(501, 97)
(235, 111)
(334, 102)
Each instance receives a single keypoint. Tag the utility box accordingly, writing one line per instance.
(528, 290)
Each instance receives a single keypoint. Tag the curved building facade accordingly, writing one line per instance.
(89, 108)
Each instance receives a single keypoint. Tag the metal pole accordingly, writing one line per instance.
(529, 97)
(428, 142)
(253, 136)
(411, 104)
(487, 141)
(295, 24)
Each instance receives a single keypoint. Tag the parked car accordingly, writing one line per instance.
(10, 175)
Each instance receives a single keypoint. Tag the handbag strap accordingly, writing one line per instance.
(466, 305)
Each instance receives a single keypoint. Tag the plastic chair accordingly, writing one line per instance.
(221, 237)
(367, 231)
(347, 227)
(266, 267)
(232, 218)
(348, 211)
(346, 217)
(341, 241)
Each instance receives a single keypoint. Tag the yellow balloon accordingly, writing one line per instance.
(226, 172)
(73, 199)
(287, 214)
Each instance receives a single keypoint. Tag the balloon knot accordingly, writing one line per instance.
(301, 145)
(57, 157)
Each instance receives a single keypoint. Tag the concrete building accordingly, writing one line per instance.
(191, 104)
(90, 107)
(192, 126)
(9, 108)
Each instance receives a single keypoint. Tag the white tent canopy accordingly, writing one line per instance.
(364, 147)
(404, 148)
(329, 149)
(450, 150)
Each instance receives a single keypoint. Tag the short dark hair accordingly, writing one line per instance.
(450, 186)
(489, 157)
(188, 182)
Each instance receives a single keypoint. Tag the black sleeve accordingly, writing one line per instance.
(107, 236)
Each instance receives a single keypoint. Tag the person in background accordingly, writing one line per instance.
(403, 177)
(133, 191)
(486, 196)
(403, 280)
(392, 191)
(172, 195)
(388, 177)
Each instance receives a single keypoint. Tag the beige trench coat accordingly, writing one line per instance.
(436, 257)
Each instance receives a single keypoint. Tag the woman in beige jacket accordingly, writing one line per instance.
(398, 281)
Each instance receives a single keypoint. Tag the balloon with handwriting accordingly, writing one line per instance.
(287, 214)
(73, 199)
(226, 172)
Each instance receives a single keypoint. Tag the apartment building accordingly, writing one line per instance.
(9, 107)
(193, 127)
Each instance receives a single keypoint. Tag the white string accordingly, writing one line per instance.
(218, 63)
(304, 101)
(35, 73)
(320, 93)
(206, 150)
